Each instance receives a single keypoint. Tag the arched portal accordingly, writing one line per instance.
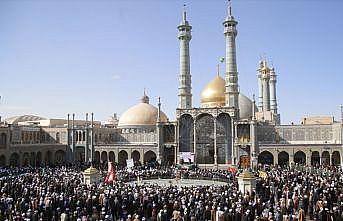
(39, 158)
(283, 158)
(26, 159)
(149, 156)
(104, 156)
(3, 139)
(224, 144)
(57, 137)
(136, 156)
(122, 157)
(2, 160)
(80, 154)
(336, 158)
(97, 157)
(111, 156)
(315, 158)
(14, 159)
(266, 157)
(186, 137)
(326, 158)
(60, 157)
(300, 157)
(204, 128)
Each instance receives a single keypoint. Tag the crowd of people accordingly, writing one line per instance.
(284, 194)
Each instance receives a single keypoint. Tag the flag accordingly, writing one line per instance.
(232, 169)
(263, 174)
(111, 174)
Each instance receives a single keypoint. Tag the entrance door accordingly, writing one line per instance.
(169, 154)
(244, 161)
(80, 154)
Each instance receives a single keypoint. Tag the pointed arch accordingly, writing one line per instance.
(283, 158)
(300, 157)
(266, 157)
(224, 138)
(186, 137)
(204, 134)
(122, 157)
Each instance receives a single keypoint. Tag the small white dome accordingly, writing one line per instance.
(142, 114)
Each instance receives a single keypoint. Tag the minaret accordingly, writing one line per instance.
(231, 75)
(264, 75)
(260, 90)
(272, 85)
(185, 82)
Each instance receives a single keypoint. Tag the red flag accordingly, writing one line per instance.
(111, 174)
(232, 169)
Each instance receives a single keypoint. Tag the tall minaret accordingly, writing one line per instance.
(265, 76)
(185, 81)
(272, 85)
(231, 74)
(260, 90)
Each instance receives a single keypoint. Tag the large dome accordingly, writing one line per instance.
(142, 114)
(213, 95)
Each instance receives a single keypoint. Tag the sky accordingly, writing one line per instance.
(78, 56)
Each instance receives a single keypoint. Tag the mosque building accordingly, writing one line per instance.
(227, 129)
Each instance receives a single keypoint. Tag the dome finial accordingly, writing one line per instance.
(229, 11)
(184, 15)
(145, 98)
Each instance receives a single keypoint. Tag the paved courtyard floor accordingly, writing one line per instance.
(181, 182)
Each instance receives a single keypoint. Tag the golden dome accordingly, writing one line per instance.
(142, 114)
(213, 95)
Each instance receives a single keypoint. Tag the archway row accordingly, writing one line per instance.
(34, 158)
(266, 157)
(109, 156)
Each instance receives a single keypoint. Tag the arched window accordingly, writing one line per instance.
(57, 137)
(83, 136)
(3, 139)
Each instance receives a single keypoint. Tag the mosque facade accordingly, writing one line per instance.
(227, 129)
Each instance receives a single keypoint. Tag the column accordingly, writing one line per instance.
(177, 142)
(215, 141)
(291, 158)
(235, 149)
(129, 154)
(308, 158)
(253, 154)
(275, 157)
(194, 140)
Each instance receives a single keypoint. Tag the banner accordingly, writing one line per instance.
(263, 174)
(129, 163)
(187, 157)
(111, 174)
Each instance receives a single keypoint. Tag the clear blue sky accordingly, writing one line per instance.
(97, 55)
